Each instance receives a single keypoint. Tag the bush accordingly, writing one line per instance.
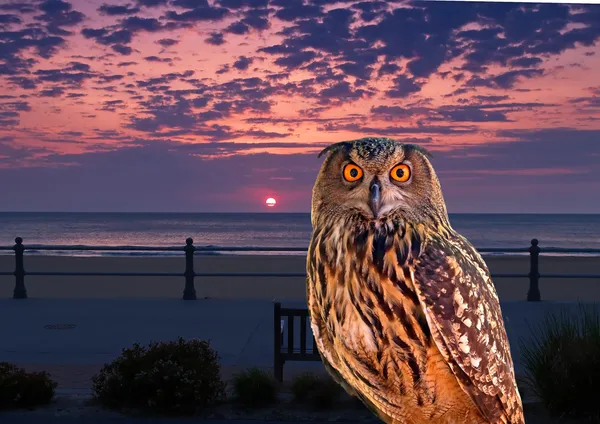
(171, 378)
(21, 389)
(254, 388)
(320, 392)
(562, 364)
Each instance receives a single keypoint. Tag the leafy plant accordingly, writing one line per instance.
(562, 361)
(170, 378)
(320, 392)
(21, 389)
(254, 388)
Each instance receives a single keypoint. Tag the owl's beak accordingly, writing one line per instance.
(375, 197)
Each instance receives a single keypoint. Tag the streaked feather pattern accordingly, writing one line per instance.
(406, 317)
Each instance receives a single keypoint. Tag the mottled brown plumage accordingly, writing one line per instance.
(403, 309)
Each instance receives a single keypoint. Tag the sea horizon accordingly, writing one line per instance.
(271, 213)
(266, 229)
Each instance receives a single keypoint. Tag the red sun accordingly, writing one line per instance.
(270, 202)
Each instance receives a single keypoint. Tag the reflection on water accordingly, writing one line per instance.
(266, 229)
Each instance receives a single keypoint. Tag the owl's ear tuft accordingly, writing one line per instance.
(335, 146)
(417, 148)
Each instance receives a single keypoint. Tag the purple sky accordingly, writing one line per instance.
(193, 106)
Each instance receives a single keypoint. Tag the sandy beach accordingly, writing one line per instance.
(259, 287)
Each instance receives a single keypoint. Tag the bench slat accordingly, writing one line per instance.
(287, 351)
(303, 319)
(290, 325)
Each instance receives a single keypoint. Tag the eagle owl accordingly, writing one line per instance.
(402, 307)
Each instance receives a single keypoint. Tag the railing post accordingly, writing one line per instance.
(189, 292)
(20, 292)
(277, 363)
(533, 294)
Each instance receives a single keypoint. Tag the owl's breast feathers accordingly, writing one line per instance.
(408, 313)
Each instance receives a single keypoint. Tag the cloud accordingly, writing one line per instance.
(403, 87)
(242, 63)
(510, 78)
(167, 42)
(472, 114)
(118, 10)
(257, 19)
(152, 3)
(104, 36)
(15, 42)
(110, 78)
(52, 92)
(395, 131)
(158, 59)
(199, 11)
(292, 10)
(239, 4)
(341, 92)
(133, 175)
(74, 79)
(592, 101)
(180, 115)
(135, 24)
(23, 82)
(575, 162)
(121, 49)
(7, 19)
(453, 75)
(370, 10)
(215, 39)
(503, 80)
(526, 62)
(20, 7)
(10, 152)
(113, 105)
(238, 28)
(59, 13)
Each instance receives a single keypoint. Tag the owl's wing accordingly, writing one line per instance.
(454, 287)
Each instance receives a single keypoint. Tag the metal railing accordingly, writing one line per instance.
(189, 291)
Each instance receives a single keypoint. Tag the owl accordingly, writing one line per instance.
(402, 307)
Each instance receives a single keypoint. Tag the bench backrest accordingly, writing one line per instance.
(294, 340)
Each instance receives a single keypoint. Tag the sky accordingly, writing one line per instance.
(215, 105)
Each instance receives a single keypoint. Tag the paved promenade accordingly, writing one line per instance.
(35, 419)
(97, 330)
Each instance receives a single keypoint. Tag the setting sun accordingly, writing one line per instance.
(271, 202)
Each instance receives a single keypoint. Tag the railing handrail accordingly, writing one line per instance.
(211, 248)
(189, 292)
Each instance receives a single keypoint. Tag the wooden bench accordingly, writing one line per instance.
(288, 347)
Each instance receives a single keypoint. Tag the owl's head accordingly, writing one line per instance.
(377, 177)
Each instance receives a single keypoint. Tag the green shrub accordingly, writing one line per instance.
(170, 378)
(21, 389)
(562, 362)
(320, 392)
(303, 386)
(254, 388)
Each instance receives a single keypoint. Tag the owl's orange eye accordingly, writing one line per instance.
(352, 173)
(400, 173)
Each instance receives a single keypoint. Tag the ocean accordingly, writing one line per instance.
(265, 229)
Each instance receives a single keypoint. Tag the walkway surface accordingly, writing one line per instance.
(33, 419)
(73, 338)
